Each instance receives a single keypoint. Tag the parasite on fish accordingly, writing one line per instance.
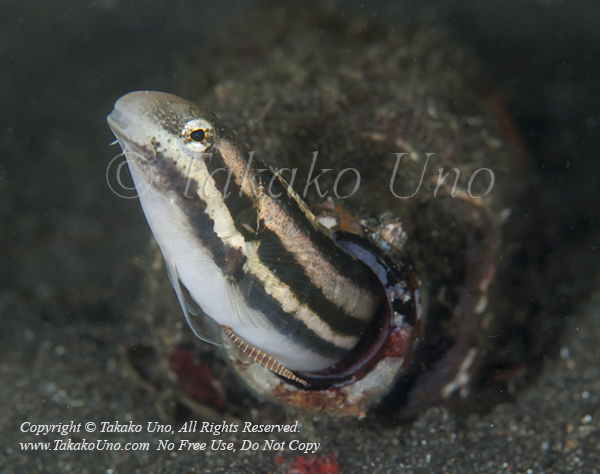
(241, 242)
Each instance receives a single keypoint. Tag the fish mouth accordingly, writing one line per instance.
(118, 123)
(124, 130)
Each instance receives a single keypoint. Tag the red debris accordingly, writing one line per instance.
(516, 372)
(310, 464)
(397, 345)
(196, 379)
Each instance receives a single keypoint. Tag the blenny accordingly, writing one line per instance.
(401, 289)
(240, 240)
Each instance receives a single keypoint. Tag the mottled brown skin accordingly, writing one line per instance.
(357, 102)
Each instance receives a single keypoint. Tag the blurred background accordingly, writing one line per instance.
(68, 274)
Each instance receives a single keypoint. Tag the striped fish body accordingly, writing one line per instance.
(244, 245)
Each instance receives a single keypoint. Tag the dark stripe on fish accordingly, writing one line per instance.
(231, 261)
(273, 253)
(282, 262)
(286, 267)
(354, 270)
(236, 204)
(286, 323)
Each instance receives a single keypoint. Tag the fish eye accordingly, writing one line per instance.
(198, 134)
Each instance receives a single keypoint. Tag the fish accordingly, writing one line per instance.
(240, 245)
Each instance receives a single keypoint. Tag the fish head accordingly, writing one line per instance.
(164, 136)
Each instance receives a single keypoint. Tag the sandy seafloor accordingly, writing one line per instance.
(71, 278)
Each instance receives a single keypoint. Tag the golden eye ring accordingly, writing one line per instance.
(198, 134)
